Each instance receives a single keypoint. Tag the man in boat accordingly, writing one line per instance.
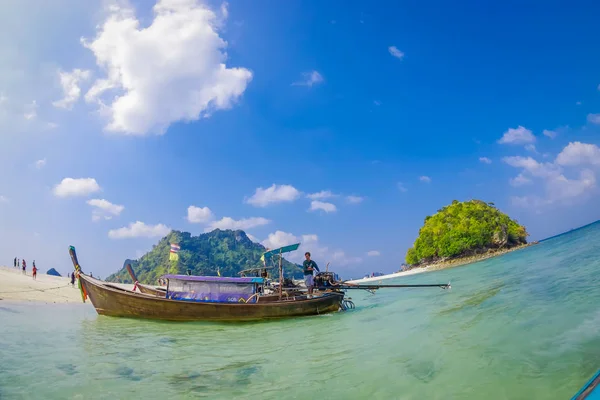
(309, 267)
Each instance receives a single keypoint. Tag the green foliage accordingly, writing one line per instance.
(228, 251)
(465, 228)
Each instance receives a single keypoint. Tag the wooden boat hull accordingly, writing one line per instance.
(591, 390)
(116, 302)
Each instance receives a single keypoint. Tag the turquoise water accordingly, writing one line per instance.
(522, 326)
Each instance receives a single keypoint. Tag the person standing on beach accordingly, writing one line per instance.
(309, 267)
(15, 262)
(72, 278)
(24, 268)
(34, 270)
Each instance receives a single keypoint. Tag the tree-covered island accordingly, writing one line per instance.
(465, 230)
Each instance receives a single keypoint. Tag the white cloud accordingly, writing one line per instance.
(577, 153)
(323, 194)
(425, 179)
(139, 229)
(309, 242)
(395, 52)
(39, 164)
(354, 199)
(30, 111)
(104, 209)
(3, 199)
(199, 215)
(401, 187)
(321, 205)
(171, 69)
(594, 119)
(253, 238)
(70, 86)
(485, 160)
(309, 79)
(76, 187)
(373, 253)
(519, 180)
(279, 239)
(558, 187)
(243, 224)
(273, 194)
(531, 148)
(520, 135)
(532, 166)
(549, 133)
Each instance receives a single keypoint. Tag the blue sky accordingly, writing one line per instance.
(253, 113)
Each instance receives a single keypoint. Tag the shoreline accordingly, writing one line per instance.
(46, 289)
(438, 266)
(458, 262)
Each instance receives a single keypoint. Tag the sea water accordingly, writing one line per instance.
(525, 325)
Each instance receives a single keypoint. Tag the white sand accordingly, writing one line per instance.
(390, 276)
(14, 286)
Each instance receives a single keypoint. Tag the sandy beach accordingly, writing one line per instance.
(14, 286)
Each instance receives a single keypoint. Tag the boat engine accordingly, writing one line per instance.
(326, 279)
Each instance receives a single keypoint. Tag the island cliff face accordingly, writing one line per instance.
(225, 251)
(465, 229)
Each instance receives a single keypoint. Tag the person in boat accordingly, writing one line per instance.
(309, 267)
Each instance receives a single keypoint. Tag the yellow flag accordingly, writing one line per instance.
(173, 256)
(218, 272)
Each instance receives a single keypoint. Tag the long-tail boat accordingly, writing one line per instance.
(210, 298)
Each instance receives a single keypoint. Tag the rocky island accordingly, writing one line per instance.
(220, 251)
(465, 232)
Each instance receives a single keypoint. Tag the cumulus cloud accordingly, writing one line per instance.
(485, 160)
(3, 199)
(401, 187)
(199, 215)
(70, 85)
(425, 179)
(139, 229)
(594, 119)
(243, 224)
(560, 185)
(30, 110)
(395, 52)
(273, 194)
(577, 153)
(309, 79)
(309, 242)
(519, 180)
(76, 187)
(519, 135)
(321, 205)
(170, 69)
(104, 209)
(373, 253)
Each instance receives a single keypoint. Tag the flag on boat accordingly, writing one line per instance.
(173, 254)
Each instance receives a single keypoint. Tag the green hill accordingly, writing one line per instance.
(463, 229)
(226, 250)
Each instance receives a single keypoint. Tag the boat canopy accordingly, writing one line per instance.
(284, 249)
(213, 289)
(218, 279)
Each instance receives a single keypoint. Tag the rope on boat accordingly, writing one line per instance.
(347, 304)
